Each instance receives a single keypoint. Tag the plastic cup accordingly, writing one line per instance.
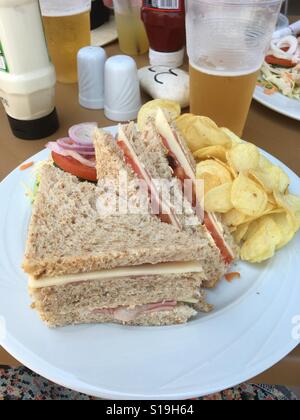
(131, 30)
(227, 41)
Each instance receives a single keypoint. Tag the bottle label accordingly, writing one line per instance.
(166, 5)
(3, 62)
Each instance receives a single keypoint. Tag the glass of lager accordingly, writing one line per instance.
(227, 41)
(67, 29)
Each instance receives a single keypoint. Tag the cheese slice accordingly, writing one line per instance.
(140, 270)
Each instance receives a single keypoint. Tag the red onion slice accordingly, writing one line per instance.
(83, 133)
(54, 147)
(68, 144)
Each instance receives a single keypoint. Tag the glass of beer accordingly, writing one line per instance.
(133, 39)
(227, 41)
(67, 30)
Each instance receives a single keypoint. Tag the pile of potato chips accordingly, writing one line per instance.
(250, 192)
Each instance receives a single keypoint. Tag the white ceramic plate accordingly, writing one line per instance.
(279, 103)
(250, 330)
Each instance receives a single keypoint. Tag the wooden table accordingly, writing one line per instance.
(275, 133)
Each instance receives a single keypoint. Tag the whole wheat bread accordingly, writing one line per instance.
(67, 234)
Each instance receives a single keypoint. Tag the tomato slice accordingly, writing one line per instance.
(219, 240)
(73, 167)
(270, 59)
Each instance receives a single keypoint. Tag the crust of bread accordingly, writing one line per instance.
(179, 315)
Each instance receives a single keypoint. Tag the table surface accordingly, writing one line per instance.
(273, 132)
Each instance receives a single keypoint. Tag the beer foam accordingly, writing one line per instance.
(224, 73)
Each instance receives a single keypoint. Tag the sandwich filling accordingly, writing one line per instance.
(127, 314)
(115, 273)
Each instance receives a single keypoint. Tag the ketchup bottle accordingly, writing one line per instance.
(165, 25)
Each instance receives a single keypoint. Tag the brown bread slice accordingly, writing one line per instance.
(67, 234)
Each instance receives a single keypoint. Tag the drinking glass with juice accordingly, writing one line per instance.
(227, 41)
(132, 35)
(67, 29)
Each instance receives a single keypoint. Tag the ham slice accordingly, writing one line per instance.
(128, 314)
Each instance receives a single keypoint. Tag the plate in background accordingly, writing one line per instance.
(279, 103)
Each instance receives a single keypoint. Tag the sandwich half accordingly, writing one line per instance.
(159, 153)
(85, 267)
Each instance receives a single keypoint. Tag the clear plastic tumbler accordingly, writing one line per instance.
(227, 41)
(131, 30)
(67, 29)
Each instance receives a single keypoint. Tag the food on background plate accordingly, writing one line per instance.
(281, 69)
(135, 269)
(250, 192)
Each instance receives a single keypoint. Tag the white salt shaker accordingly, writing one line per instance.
(91, 63)
(122, 89)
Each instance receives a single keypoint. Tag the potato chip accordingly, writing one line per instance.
(264, 163)
(171, 109)
(228, 167)
(184, 121)
(212, 173)
(210, 181)
(262, 239)
(210, 130)
(255, 175)
(286, 226)
(291, 203)
(232, 229)
(272, 179)
(271, 209)
(233, 137)
(238, 219)
(193, 139)
(234, 218)
(243, 157)
(271, 199)
(241, 232)
(219, 199)
(201, 132)
(248, 197)
(288, 201)
(218, 152)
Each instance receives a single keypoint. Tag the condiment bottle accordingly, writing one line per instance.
(67, 28)
(165, 25)
(27, 77)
